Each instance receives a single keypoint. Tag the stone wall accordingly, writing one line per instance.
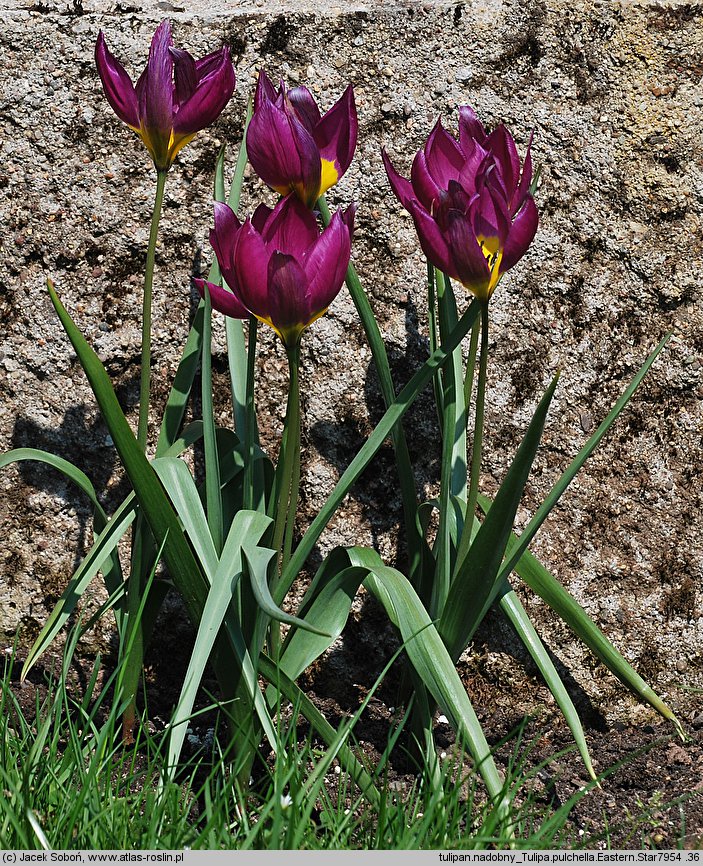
(613, 94)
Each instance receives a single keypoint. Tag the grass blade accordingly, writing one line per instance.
(281, 681)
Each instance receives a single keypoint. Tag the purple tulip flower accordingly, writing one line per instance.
(174, 98)
(278, 265)
(470, 201)
(292, 147)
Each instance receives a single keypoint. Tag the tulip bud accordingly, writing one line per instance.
(174, 98)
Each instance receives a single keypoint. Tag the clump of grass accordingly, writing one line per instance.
(71, 782)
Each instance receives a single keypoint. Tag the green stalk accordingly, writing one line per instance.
(471, 364)
(141, 548)
(250, 426)
(288, 483)
(294, 362)
(290, 456)
(465, 540)
(432, 328)
(213, 496)
(145, 377)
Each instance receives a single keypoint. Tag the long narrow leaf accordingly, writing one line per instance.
(106, 541)
(384, 427)
(179, 395)
(329, 609)
(517, 615)
(562, 603)
(104, 544)
(430, 659)
(152, 499)
(470, 593)
(224, 573)
(178, 482)
(568, 475)
(406, 476)
(234, 330)
(453, 480)
(257, 560)
(111, 568)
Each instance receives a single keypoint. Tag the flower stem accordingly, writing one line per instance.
(250, 424)
(471, 363)
(213, 495)
(287, 503)
(142, 548)
(467, 531)
(288, 493)
(294, 362)
(145, 380)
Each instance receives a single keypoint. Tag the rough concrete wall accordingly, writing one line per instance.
(613, 93)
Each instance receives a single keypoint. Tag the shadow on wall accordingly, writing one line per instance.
(337, 442)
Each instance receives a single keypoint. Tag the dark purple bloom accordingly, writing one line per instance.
(292, 147)
(278, 265)
(470, 201)
(174, 98)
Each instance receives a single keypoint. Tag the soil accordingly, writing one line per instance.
(651, 789)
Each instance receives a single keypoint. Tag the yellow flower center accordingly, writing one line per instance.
(491, 249)
(328, 176)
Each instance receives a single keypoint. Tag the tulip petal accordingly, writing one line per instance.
(117, 85)
(251, 260)
(336, 133)
(265, 91)
(444, 156)
(471, 266)
(525, 179)
(476, 160)
(432, 241)
(502, 145)
(289, 312)
(521, 235)
(291, 227)
(260, 217)
(209, 63)
(210, 97)
(224, 235)
(402, 188)
(156, 93)
(283, 153)
(223, 301)
(470, 128)
(424, 186)
(305, 107)
(490, 217)
(185, 75)
(348, 217)
(326, 264)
